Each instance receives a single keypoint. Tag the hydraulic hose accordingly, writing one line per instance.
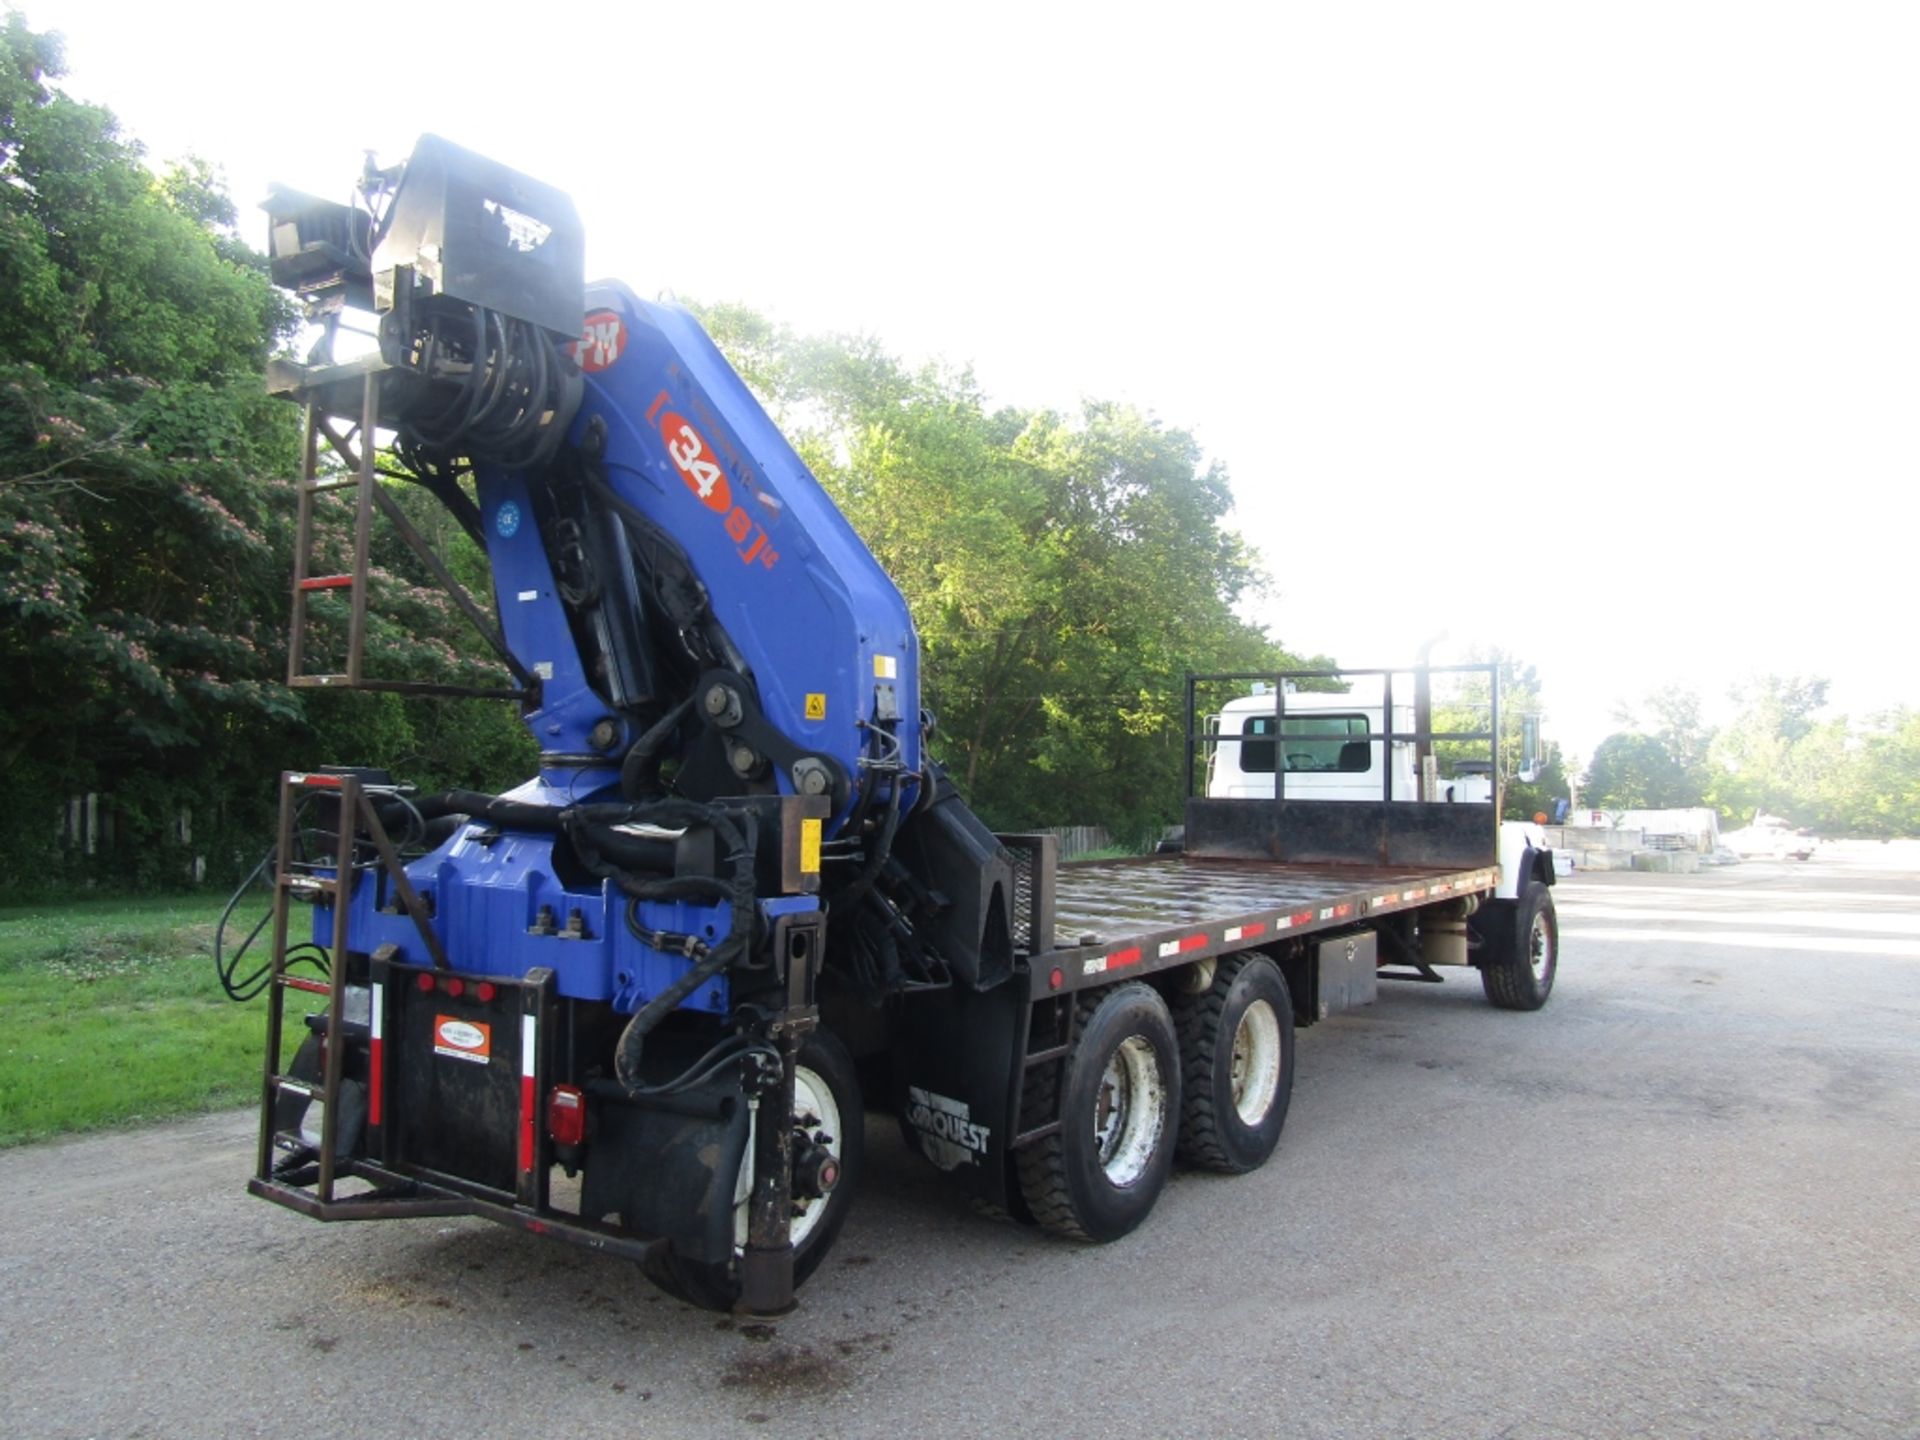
(640, 771)
(740, 934)
(882, 848)
(514, 814)
(606, 852)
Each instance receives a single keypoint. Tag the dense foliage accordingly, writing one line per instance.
(145, 519)
(1840, 775)
(1462, 704)
(1063, 570)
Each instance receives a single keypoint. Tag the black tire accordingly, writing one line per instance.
(1519, 949)
(1079, 1182)
(717, 1286)
(1243, 1022)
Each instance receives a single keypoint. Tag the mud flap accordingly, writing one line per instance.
(957, 1082)
(668, 1169)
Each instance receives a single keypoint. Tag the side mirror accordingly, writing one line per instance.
(1529, 749)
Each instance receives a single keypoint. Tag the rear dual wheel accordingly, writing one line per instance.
(1211, 1079)
(1099, 1174)
(1236, 1043)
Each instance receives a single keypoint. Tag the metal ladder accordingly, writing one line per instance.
(348, 393)
(356, 449)
(357, 817)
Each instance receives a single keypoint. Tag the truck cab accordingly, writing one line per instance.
(1324, 747)
(1280, 742)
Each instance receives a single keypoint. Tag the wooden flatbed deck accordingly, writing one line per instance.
(1164, 910)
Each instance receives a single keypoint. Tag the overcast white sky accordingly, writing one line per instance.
(1589, 332)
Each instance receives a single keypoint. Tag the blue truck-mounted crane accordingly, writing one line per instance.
(643, 1001)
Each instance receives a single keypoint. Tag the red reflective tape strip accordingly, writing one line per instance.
(1192, 942)
(527, 1032)
(312, 987)
(1340, 912)
(1123, 957)
(376, 1072)
(526, 1123)
(318, 782)
(1255, 929)
(1302, 917)
(327, 582)
(376, 1088)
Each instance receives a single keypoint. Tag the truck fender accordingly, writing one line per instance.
(1522, 859)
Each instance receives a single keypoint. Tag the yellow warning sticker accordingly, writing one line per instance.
(809, 847)
(886, 667)
(816, 706)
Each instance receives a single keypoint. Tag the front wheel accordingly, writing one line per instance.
(829, 1125)
(1519, 948)
(1099, 1174)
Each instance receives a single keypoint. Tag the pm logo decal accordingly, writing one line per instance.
(602, 341)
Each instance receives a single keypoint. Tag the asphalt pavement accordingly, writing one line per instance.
(1683, 1200)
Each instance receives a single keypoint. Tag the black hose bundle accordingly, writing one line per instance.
(611, 853)
(226, 963)
(509, 404)
(640, 771)
(588, 826)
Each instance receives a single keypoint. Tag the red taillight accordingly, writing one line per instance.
(486, 990)
(566, 1115)
(1056, 978)
(456, 987)
(424, 983)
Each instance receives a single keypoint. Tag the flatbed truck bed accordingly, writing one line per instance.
(1162, 911)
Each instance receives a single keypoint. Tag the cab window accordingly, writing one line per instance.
(1313, 743)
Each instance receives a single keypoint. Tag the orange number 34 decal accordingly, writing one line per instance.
(700, 468)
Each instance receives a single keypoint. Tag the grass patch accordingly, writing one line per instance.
(110, 1014)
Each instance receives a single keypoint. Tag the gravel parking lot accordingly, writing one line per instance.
(1684, 1200)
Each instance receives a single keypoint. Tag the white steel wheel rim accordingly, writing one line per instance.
(815, 1112)
(1539, 948)
(1255, 1072)
(1129, 1112)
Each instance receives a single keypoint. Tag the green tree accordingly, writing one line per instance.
(141, 559)
(1637, 772)
(1672, 716)
(1752, 758)
(1064, 572)
(1884, 800)
(1838, 775)
(146, 506)
(1463, 704)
